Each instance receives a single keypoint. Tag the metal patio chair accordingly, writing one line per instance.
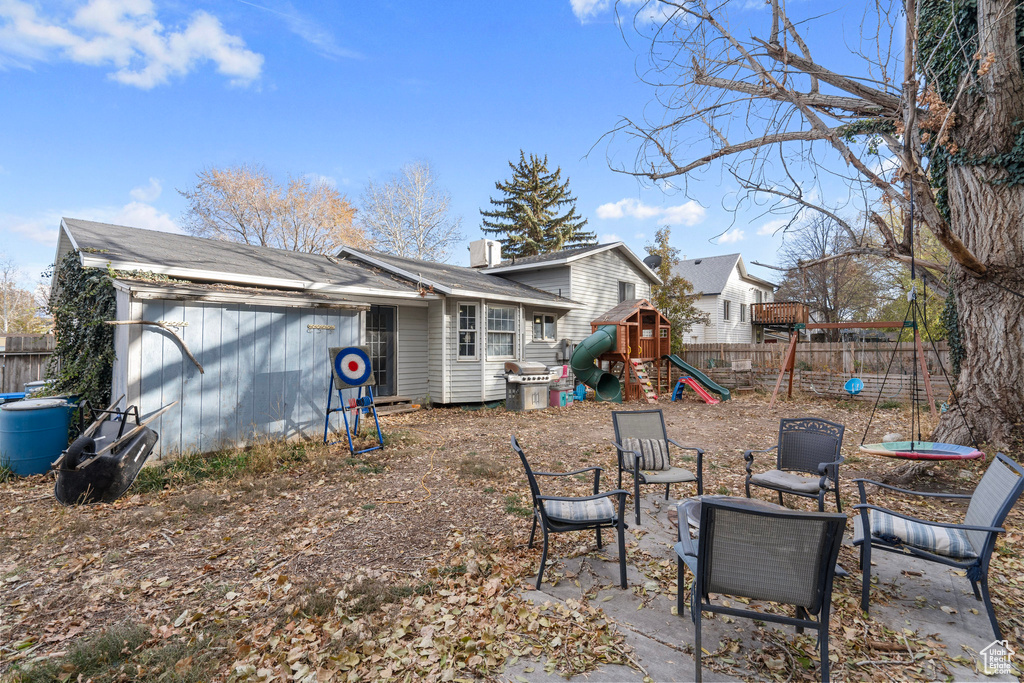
(556, 514)
(966, 546)
(806, 446)
(643, 450)
(781, 556)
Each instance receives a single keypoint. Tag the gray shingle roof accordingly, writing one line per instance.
(708, 274)
(122, 244)
(455, 277)
(553, 256)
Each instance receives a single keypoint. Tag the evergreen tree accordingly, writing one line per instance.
(674, 297)
(532, 218)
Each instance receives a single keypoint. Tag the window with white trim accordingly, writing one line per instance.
(501, 331)
(743, 313)
(467, 331)
(725, 310)
(627, 291)
(543, 327)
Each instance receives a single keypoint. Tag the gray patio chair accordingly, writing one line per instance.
(806, 446)
(966, 546)
(642, 443)
(781, 556)
(556, 514)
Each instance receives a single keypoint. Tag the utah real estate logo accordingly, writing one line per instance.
(995, 658)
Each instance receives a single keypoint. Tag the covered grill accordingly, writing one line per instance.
(526, 385)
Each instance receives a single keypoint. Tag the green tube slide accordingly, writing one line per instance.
(605, 384)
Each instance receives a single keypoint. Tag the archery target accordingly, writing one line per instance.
(352, 366)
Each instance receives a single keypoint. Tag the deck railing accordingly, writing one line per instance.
(779, 313)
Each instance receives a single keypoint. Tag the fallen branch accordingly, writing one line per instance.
(166, 328)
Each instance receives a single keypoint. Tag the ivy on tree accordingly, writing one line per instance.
(537, 214)
(81, 302)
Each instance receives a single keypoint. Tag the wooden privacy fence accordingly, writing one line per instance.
(820, 369)
(24, 358)
(836, 357)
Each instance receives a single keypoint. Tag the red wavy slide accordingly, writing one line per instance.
(701, 391)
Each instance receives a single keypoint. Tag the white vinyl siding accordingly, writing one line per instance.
(595, 284)
(437, 366)
(413, 377)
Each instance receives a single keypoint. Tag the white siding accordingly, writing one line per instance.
(720, 331)
(542, 351)
(595, 284)
(555, 280)
(437, 369)
(411, 353)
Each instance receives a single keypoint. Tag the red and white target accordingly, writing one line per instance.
(352, 366)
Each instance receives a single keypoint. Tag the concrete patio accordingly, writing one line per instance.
(937, 605)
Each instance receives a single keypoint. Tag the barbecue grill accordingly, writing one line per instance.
(526, 385)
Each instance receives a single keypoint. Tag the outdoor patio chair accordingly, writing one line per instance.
(966, 546)
(555, 514)
(806, 446)
(781, 556)
(643, 450)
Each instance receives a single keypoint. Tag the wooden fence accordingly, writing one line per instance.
(822, 369)
(23, 358)
(837, 357)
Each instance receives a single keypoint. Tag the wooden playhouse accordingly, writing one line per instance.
(642, 337)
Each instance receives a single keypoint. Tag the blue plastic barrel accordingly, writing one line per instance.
(33, 432)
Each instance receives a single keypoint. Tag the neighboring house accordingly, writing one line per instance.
(727, 293)
(260, 321)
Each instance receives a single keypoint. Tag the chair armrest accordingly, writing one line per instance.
(622, 449)
(944, 525)
(835, 463)
(614, 492)
(685, 548)
(566, 474)
(700, 463)
(749, 455)
(860, 484)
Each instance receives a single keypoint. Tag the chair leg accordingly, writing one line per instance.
(666, 491)
(636, 500)
(543, 559)
(697, 616)
(598, 532)
(823, 639)
(681, 583)
(865, 572)
(988, 607)
(622, 547)
(974, 585)
(839, 505)
(780, 499)
(801, 613)
(533, 530)
(747, 484)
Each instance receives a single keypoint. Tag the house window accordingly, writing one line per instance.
(501, 331)
(467, 330)
(543, 327)
(627, 291)
(743, 313)
(725, 310)
(759, 296)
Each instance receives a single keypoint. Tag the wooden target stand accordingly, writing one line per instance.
(351, 369)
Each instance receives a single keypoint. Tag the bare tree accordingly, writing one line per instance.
(837, 290)
(408, 215)
(18, 309)
(929, 123)
(245, 204)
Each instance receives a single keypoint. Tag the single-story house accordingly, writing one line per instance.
(260, 321)
(727, 292)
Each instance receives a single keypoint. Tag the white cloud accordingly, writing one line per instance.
(141, 215)
(147, 193)
(639, 236)
(307, 28)
(35, 230)
(124, 35)
(583, 9)
(648, 12)
(609, 237)
(326, 180)
(732, 236)
(771, 227)
(689, 213)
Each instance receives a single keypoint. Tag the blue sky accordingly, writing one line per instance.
(110, 106)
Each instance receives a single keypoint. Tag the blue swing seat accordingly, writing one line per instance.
(854, 386)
